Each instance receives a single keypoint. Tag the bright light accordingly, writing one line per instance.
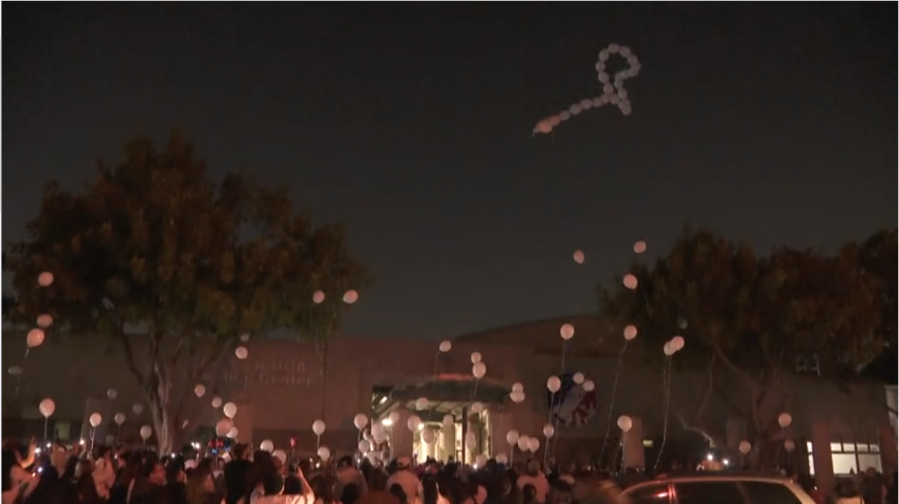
(421, 426)
(383, 400)
(387, 422)
(81, 442)
(710, 457)
(726, 462)
(49, 445)
(37, 450)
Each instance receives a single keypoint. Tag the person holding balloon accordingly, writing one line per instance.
(268, 486)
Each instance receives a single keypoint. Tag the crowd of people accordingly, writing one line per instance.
(69, 476)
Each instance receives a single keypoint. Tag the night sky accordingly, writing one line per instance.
(774, 123)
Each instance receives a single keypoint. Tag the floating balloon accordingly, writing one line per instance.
(448, 420)
(364, 446)
(137, 409)
(613, 90)
(44, 321)
(517, 386)
(677, 343)
(350, 296)
(185, 423)
(477, 407)
(244, 338)
(421, 403)
(588, 385)
(789, 445)
(566, 331)
(630, 332)
(625, 423)
(579, 256)
(413, 422)
(578, 378)
(241, 352)
(324, 453)
(112, 393)
(549, 431)
(119, 418)
(745, 447)
(668, 349)
(512, 437)
(475, 357)
(501, 459)
(216, 402)
(45, 279)
(318, 297)
(640, 247)
(394, 416)
(280, 455)
(630, 281)
(232, 434)
(360, 421)
(15, 370)
(553, 384)
(200, 390)
(479, 370)
(517, 396)
(35, 338)
(47, 407)
(318, 427)
(223, 427)
(96, 419)
(784, 420)
(378, 432)
(533, 444)
(523, 443)
(445, 346)
(229, 409)
(267, 445)
(428, 436)
(145, 432)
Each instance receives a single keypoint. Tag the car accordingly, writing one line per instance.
(709, 488)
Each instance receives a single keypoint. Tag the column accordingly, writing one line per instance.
(244, 421)
(822, 457)
(736, 433)
(448, 445)
(633, 445)
(401, 438)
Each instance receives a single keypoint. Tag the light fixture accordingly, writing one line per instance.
(383, 400)
(387, 422)
(710, 457)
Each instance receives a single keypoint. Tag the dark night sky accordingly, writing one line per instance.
(773, 123)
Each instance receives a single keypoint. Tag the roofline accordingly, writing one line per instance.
(475, 335)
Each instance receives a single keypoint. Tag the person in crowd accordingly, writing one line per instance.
(847, 492)
(104, 472)
(292, 484)
(397, 491)
(118, 494)
(350, 494)
(175, 488)
(528, 494)
(405, 478)
(87, 488)
(236, 474)
(348, 474)
(17, 481)
(534, 476)
(148, 488)
(377, 490)
(200, 489)
(268, 487)
(892, 496)
(323, 490)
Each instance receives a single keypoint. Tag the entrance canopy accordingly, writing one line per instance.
(446, 393)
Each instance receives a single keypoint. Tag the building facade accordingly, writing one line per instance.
(284, 386)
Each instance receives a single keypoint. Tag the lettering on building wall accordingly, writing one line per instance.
(270, 373)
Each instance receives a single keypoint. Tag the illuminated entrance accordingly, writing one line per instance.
(457, 416)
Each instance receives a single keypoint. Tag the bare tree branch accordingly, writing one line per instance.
(129, 357)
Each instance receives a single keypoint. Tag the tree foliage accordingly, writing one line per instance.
(153, 242)
(754, 316)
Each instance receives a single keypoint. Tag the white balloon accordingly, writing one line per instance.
(784, 420)
(112, 393)
(318, 297)
(318, 427)
(475, 357)
(137, 409)
(241, 352)
(512, 437)
(267, 445)
(588, 385)
(45, 279)
(229, 409)
(280, 455)
(517, 396)
(578, 255)
(630, 332)
(47, 407)
(677, 343)
(446, 346)
(745, 447)
(448, 420)
(44, 320)
(517, 387)
(413, 422)
(549, 431)
(479, 370)
(119, 418)
(477, 407)
(640, 247)
(360, 421)
(625, 423)
(232, 434)
(668, 349)
(578, 378)
(96, 419)
(200, 390)
(34, 338)
(145, 432)
(630, 280)
(378, 432)
(244, 337)
(533, 444)
(394, 416)
(364, 446)
(216, 402)
(15, 370)
(566, 331)
(324, 453)
(223, 427)
(523, 443)
(428, 436)
(350, 297)
(421, 403)
(553, 384)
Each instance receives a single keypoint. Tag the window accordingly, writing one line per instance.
(651, 494)
(760, 492)
(849, 457)
(709, 492)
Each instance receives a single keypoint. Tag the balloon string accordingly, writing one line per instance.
(561, 375)
(605, 439)
(666, 384)
(21, 372)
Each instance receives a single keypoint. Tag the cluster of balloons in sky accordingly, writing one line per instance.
(613, 91)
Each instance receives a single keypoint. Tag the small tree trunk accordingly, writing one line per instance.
(167, 433)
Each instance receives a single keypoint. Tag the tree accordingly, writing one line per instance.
(154, 242)
(750, 318)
